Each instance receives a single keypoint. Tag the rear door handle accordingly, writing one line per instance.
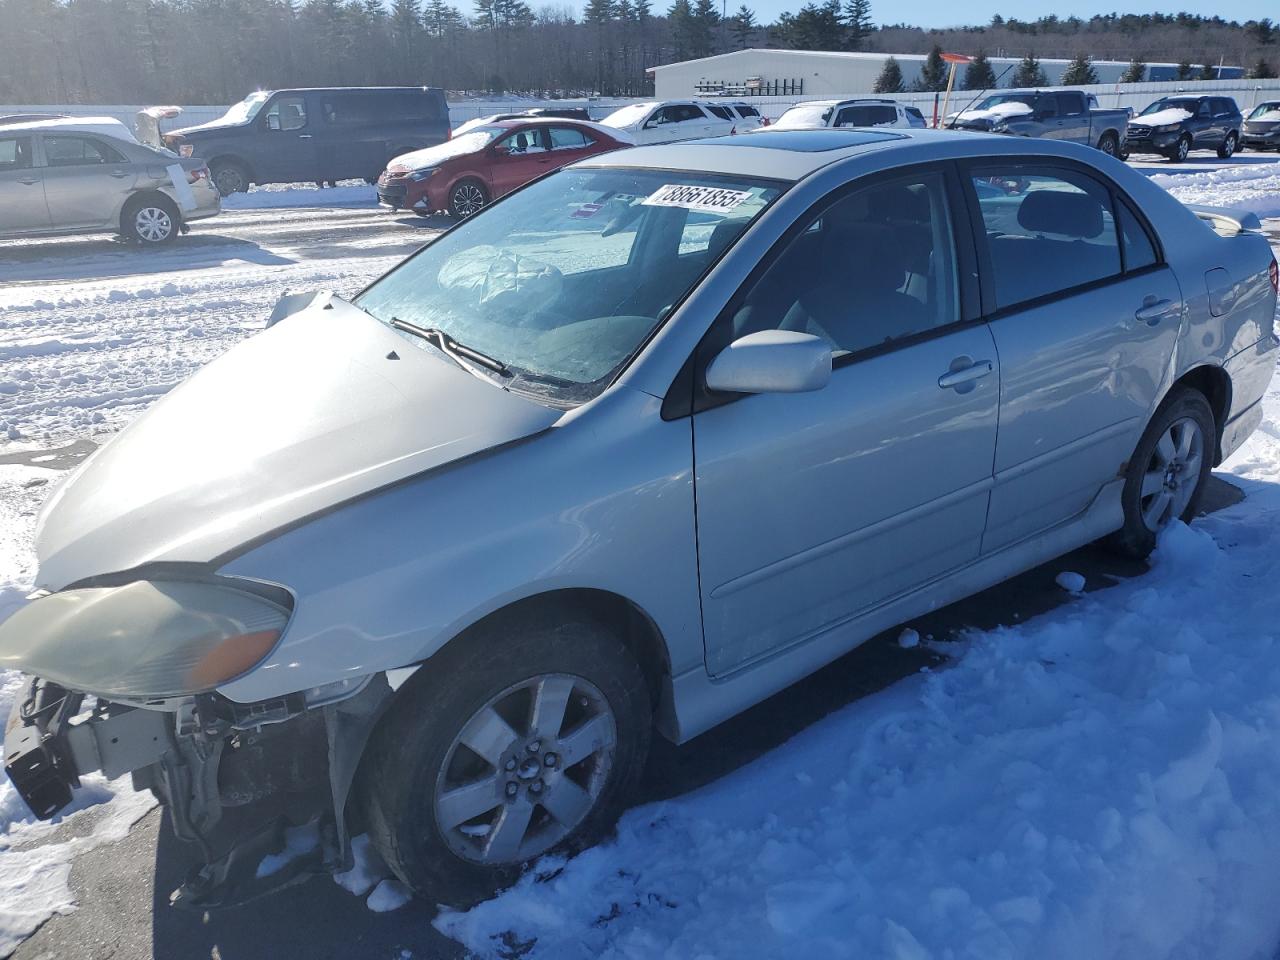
(1153, 311)
(958, 378)
(29, 181)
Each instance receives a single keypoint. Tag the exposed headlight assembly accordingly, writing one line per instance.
(1167, 128)
(144, 640)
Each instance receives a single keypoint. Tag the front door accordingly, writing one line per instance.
(86, 180)
(22, 204)
(286, 145)
(1085, 320)
(517, 158)
(813, 508)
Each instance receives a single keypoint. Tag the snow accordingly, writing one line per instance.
(1254, 187)
(278, 196)
(1161, 117)
(908, 638)
(1070, 581)
(1001, 111)
(298, 842)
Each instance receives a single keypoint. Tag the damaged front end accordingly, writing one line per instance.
(125, 680)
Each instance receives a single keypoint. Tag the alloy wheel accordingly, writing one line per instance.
(525, 769)
(467, 199)
(153, 224)
(1183, 149)
(1172, 474)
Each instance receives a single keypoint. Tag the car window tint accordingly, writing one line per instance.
(1070, 104)
(287, 113)
(1047, 231)
(747, 111)
(874, 267)
(1139, 252)
(523, 142)
(15, 153)
(721, 112)
(64, 151)
(1047, 106)
(866, 116)
(568, 138)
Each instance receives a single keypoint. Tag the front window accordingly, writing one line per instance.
(803, 116)
(568, 278)
(1266, 111)
(246, 109)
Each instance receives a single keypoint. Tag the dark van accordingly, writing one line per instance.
(320, 133)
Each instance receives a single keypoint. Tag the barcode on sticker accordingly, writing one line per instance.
(709, 199)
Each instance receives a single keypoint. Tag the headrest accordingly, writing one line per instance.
(898, 203)
(1057, 211)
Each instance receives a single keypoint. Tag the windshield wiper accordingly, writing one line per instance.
(450, 346)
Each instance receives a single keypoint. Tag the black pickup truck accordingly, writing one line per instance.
(1174, 126)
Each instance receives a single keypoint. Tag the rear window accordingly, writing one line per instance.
(866, 116)
(721, 112)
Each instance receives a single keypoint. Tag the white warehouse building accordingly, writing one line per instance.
(814, 73)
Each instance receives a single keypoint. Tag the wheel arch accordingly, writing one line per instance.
(238, 160)
(1215, 384)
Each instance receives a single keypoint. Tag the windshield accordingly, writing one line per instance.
(1191, 106)
(468, 142)
(563, 281)
(626, 116)
(803, 115)
(1266, 111)
(246, 109)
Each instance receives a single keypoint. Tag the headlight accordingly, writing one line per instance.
(420, 175)
(1000, 126)
(1167, 128)
(186, 150)
(144, 640)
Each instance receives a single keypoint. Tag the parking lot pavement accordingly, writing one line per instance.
(122, 888)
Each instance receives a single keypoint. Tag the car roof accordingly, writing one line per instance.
(513, 122)
(104, 126)
(795, 154)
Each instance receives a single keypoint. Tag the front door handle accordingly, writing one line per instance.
(119, 174)
(1153, 311)
(957, 378)
(304, 136)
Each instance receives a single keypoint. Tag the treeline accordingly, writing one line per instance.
(216, 51)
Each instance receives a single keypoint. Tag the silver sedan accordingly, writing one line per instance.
(630, 450)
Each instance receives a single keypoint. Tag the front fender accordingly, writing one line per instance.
(604, 501)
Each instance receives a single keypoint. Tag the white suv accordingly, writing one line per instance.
(665, 121)
(863, 112)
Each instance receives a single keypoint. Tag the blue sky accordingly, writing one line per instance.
(943, 13)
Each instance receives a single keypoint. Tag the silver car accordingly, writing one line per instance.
(631, 450)
(76, 175)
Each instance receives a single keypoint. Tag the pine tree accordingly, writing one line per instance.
(680, 22)
(1030, 73)
(857, 17)
(1208, 72)
(703, 28)
(406, 25)
(979, 75)
(1184, 70)
(1136, 72)
(744, 25)
(933, 75)
(1079, 72)
(1261, 71)
(890, 79)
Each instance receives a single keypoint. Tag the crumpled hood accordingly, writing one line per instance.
(308, 414)
(210, 125)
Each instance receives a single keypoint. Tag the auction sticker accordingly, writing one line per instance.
(706, 199)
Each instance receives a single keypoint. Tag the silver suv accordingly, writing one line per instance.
(863, 112)
(73, 175)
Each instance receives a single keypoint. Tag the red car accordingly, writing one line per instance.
(480, 165)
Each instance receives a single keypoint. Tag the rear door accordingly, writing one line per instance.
(814, 508)
(567, 144)
(1073, 117)
(348, 139)
(22, 203)
(1085, 317)
(286, 144)
(86, 180)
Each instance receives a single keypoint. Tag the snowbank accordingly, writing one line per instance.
(1255, 187)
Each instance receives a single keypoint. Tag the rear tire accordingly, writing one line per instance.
(467, 198)
(229, 177)
(1166, 476)
(1109, 144)
(457, 822)
(1228, 146)
(150, 221)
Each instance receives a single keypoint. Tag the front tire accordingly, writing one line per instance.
(151, 221)
(1181, 149)
(229, 177)
(1228, 146)
(1166, 477)
(525, 738)
(467, 198)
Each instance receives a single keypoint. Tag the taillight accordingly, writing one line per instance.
(1275, 276)
(195, 176)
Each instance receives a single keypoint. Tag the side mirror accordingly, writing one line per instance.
(273, 121)
(771, 361)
